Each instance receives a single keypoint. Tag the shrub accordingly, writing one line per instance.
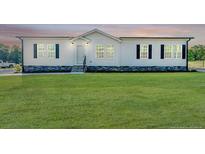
(17, 68)
(197, 52)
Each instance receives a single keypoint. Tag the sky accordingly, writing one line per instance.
(9, 32)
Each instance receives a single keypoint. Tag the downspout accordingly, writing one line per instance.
(22, 54)
(187, 49)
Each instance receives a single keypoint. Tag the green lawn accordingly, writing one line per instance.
(112, 100)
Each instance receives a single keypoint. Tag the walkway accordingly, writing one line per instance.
(27, 74)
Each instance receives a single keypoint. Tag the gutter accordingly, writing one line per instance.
(187, 50)
(22, 53)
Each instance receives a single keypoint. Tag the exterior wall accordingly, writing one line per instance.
(66, 52)
(124, 57)
(128, 53)
(97, 38)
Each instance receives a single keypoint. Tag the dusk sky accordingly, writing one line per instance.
(9, 32)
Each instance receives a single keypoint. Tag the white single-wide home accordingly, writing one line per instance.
(97, 51)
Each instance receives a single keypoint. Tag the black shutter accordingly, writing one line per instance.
(162, 51)
(35, 51)
(57, 50)
(138, 51)
(150, 51)
(183, 51)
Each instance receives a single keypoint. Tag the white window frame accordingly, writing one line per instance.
(99, 51)
(104, 51)
(175, 49)
(41, 51)
(109, 48)
(179, 51)
(144, 48)
(51, 53)
(165, 51)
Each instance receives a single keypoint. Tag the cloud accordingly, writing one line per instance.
(9, 32)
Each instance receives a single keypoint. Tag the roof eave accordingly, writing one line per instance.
(79, 37)
(22, 37)
(161, 37)
(101, 32)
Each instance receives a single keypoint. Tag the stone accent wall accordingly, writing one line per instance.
(136, 68)
(32, 69)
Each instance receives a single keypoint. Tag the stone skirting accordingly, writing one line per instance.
(136, 68)
(32, 69)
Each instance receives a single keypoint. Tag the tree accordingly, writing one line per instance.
(4, 52)
(10, 54)
(197, 52)
(15, 55)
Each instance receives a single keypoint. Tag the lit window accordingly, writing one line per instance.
(168, 51)
(173, 51)
(104, 51)
(51, 50)
(109, 51)
(41, 50)
(144, 51)
(100, 51)
(178, 51)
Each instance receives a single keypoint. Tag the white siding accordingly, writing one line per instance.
(128, 53)
(125, 52)
(66, 52)
(97, 38)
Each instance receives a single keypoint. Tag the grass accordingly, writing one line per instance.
(112, 100)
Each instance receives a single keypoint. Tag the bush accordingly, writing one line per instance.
(197, 52)
(17, 68)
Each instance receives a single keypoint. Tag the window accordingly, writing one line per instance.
(104, 51)
(41, 50)
(178, 51)
(168, 51)
(100, 51)
(144, 51)
(51, 50)
(46, 50)
(109, 51)
(173, 51)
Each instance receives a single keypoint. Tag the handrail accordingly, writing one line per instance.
(84, 64)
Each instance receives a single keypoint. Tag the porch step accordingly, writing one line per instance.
(77, 68)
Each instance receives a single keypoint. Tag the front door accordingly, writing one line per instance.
(80, 54)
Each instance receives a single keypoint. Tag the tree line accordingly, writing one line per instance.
(10, 54)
